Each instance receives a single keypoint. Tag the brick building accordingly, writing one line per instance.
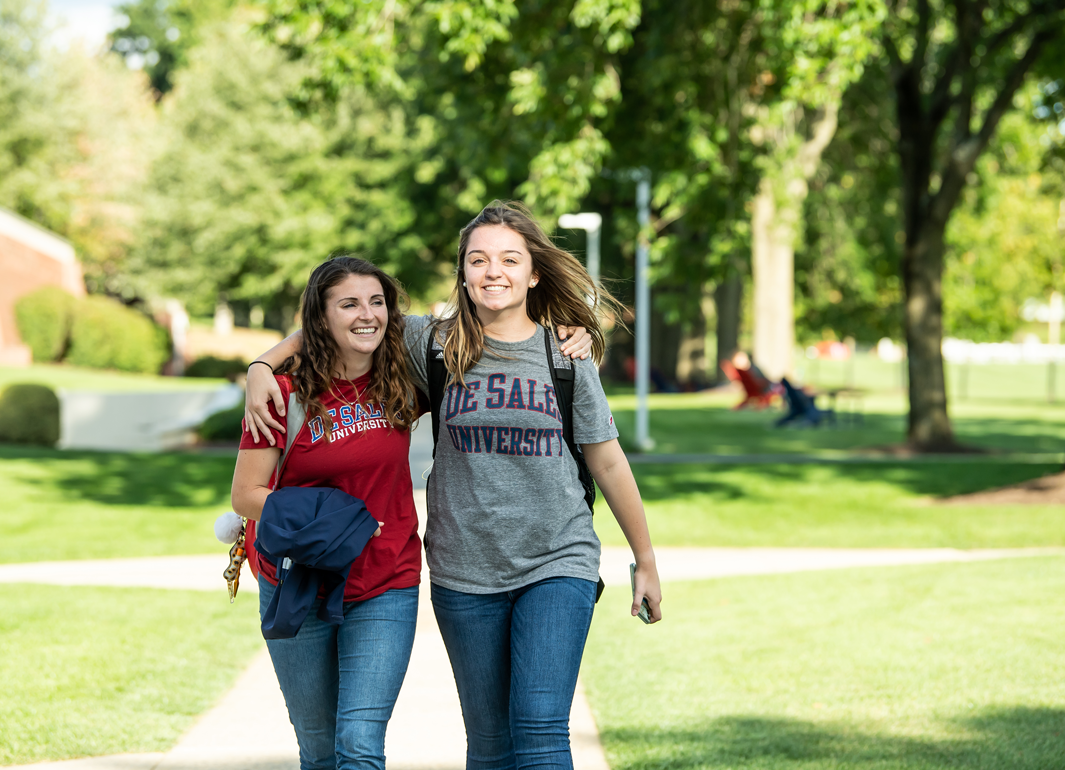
(30, 257)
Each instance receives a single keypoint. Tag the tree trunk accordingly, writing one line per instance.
(665, 350)
(691, 362)
(925, 101)
(922, 269)
(773, 270)
(775, 224)
(728, 302)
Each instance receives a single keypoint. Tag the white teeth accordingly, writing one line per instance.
(495, 289)
(364, 331)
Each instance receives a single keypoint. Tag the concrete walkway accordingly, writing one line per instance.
(249, 728)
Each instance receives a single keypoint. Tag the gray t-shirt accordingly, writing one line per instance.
(506, 506)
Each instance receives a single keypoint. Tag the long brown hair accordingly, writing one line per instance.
(319, 357)
(564, 293)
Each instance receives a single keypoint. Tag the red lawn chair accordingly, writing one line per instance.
(758, 393)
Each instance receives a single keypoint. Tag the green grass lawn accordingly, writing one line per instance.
(854, 506)
(907, 668)
(704, 423)
(81, 505)
(93, 671)
(75, 378)
(89, 505)
(956, 665)
(995, 382)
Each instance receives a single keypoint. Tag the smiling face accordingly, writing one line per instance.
(356, 315)
(498, 271)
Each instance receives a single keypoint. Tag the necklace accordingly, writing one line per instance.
(358, 396)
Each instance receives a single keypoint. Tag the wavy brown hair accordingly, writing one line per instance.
(319, 357)
(564, 294)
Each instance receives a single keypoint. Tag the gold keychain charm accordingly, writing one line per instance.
(237, 555)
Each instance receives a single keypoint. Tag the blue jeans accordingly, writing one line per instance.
(341, 682)
(516, 656)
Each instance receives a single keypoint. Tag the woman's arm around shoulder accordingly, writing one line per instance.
(611, 471)
(262, 389)
(255, 464)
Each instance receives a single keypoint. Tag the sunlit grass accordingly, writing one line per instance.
(93, 671)
(909, 668)
(852, 506)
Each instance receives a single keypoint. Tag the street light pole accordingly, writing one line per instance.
(643, 309)
(592, 224)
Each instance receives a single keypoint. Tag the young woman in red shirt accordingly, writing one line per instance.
(340, 682)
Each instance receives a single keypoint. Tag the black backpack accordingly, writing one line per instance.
(561, 380)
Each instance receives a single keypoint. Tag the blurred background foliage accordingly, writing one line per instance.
(220, 149)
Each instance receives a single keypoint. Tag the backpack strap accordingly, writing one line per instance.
(436, 376)
(295, 417)
(562, 378)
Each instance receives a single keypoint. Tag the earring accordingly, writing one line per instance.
(532, 285)
(463, 283)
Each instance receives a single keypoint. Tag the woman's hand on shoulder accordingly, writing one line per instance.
(575, 341)
(262, 388)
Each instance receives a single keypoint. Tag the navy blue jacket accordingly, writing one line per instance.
(322, 530)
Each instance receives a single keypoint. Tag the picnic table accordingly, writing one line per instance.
(847, 403)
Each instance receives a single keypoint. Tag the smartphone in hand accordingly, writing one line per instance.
(645, 611)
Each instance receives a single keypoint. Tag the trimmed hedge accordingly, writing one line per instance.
(108, 335)
(213, 366)
(43, 318)
(223, 426)
(29, 414)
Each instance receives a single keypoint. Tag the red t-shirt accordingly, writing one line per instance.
(369, 460)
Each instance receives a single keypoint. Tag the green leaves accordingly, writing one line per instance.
(73, 134)
(249, 194)
(560, 176)
(468, 28)
(613, 20)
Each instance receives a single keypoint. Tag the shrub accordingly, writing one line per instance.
(43, 320)
(212, 366)
(106, 334)
(29, 414)
(223, 426)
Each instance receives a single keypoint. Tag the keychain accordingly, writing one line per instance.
(229, 528)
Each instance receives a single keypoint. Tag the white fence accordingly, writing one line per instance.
(1033, 352)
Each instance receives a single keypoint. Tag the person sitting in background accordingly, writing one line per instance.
(801, 407)
(758, 390)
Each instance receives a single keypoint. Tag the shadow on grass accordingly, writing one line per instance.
(1013, 435)
(666, 482)
(1019, 738)
(733, 482)
(116, 478)
(714, 430)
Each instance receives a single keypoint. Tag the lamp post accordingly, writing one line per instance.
(642, 177)
(643, 309)
(592, 224)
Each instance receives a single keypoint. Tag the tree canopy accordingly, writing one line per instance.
(75, 133)
(909, 153)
